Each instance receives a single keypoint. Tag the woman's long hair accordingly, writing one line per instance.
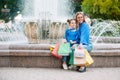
(76, 17)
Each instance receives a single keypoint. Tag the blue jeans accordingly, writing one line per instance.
(66, 58)
(88, 47)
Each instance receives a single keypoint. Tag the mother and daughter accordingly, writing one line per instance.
(77, 33)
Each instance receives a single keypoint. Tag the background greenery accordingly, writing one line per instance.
(76, 5)
(13, 5)
(105, 9)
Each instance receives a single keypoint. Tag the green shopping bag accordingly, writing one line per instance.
(64, 49)
(71, 61)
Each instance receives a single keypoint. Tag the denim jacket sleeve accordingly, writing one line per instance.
(84, 33)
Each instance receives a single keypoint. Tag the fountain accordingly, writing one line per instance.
(12, 34)
(38, 21)
(106, 32)
(36, 26)
(106, 42)
(28, 41)
(48, 16)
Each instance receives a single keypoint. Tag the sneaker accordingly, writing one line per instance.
(71, 67)
(75, 68)
(82, 69)
(65, 66)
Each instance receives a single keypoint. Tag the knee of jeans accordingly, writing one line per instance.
(89, 49)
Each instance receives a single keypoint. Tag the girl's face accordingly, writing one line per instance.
(80, 18)
(73, 24)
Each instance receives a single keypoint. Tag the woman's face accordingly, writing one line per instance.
(80, 18)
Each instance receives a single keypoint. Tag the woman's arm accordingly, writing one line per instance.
(84, 31)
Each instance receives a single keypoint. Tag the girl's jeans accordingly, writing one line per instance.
(66, 58)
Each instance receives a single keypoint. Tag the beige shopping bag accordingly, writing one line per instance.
(79, 61)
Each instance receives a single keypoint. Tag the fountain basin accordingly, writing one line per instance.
(106, 46)
(106, 39)
(39, 55)
(27, 55)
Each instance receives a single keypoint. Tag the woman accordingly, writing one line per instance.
(83, 35)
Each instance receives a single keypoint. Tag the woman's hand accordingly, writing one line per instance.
(80, 46)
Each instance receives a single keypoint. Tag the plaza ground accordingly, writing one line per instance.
(59, 74)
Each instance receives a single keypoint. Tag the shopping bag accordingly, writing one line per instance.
(52, 48)
(55, 51)
(89, 59)
(79, 52)
(71, 61)
(64, 49)
(78, 61)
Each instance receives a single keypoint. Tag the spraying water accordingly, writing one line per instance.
(13, 34)
(105, 28)
(36, 20)
(55, 10)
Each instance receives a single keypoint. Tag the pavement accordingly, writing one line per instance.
(58, 74)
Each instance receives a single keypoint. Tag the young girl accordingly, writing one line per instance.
(71, 37)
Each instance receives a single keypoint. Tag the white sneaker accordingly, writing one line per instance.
(71, 67)
(82, 69)
(65, 66)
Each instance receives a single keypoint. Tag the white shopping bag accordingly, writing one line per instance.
(79, 52)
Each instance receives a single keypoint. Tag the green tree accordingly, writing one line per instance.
(76, 5)
(105, 9)
(9, 9)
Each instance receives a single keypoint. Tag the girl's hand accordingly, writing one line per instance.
(64, 41)
(72, 42)
(74, 46)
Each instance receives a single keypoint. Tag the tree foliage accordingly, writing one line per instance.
(76, 5)
(13, 5)
(105, 9)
